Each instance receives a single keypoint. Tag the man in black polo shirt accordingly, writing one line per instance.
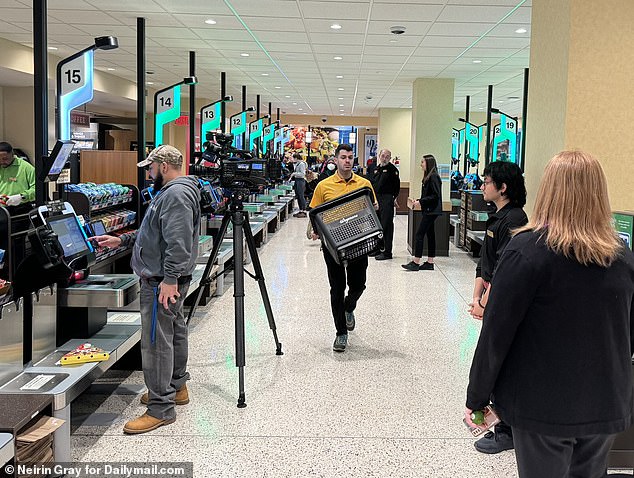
(387, 184)
(504, 186)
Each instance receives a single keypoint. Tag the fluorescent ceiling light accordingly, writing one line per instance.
(244, 54)
(210, 21)
(335, 26)
(521, 30)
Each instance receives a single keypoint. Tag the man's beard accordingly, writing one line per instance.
(158, 182)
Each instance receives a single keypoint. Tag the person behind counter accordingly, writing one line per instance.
(17, 178)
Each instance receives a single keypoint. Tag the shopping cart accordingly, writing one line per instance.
(348, 225)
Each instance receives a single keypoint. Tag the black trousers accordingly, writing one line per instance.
(386, 216)
(300, 192)
(542, 456)
(426, 227)
(354, 275)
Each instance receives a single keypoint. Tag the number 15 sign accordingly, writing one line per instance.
(74, 88)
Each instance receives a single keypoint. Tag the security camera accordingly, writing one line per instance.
(397, 30)
(324, 119)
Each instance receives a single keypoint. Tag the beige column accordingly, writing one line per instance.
(580, 89)
(395, 134)
(432, 120)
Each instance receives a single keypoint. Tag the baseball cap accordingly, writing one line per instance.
(163, 154)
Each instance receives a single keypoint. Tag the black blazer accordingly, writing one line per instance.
(555, 349)
(431, 196)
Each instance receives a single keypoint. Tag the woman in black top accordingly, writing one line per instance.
(431, 204)
(555, 351)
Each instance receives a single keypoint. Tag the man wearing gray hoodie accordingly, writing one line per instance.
(164, 257)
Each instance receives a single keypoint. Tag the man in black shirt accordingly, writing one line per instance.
(387, 184)
(504, 186)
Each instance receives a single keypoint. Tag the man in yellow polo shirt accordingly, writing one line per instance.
(342, 182)
(17, 178)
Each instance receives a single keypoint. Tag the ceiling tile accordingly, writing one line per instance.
(397, 11)
(413, 29)
(206, 7)
(13, 15)
(323, 27)
(79, 17)
(353, 11)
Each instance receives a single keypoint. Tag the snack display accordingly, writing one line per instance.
(116, 220)
(102, 195)
(83, 354)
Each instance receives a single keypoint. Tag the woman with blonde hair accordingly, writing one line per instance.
(555, 351)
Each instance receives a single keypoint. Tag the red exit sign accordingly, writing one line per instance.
(182, 121)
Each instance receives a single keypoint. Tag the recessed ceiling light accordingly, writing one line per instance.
(52, 48)
(149, 82)
(393, 40)
(305, 113)
(341, 114)
(501, 101)
(278, 87)
(340, 98)
(294, 104)
(244, 54)
(339, 77)
(287, 96)
(341, 89)
(337, 58)
(341, 110)
(335, 26)
(481, 108)
(300, 109)
(110, 69)
(477, 61)
(521, 30)
(265, 74)
(210, 21)
(341, 104)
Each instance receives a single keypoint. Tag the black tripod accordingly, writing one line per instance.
(240, 220)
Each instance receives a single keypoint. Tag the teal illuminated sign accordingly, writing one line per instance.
(255, 132)
(238, 125)
(269, 134)
(472, 137)
(455, 144)
(278, 140)
(167, 108)
(210, 119)
(74, 88)
(505, 140)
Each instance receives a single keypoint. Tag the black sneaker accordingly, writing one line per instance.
(492, 443)
(383, 257)
(412, 266)
(375, 252)
(350, 320)
(426, 266)
(340, 343)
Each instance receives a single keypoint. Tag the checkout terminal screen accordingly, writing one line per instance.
(70, 235)
(61, 158)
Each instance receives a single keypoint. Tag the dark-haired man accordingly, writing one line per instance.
(17, 178)
(343, 181)
(164, 257)
(504, 186)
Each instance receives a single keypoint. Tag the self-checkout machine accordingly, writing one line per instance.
(74, 312)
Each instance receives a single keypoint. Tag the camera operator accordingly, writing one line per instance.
(164, 256)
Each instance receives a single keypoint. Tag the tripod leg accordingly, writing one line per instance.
(259, 275)
(238, 293)
(210, 263)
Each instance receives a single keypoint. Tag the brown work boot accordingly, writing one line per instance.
(145, 423)
(182, 397)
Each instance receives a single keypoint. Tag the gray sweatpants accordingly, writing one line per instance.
(163, 348)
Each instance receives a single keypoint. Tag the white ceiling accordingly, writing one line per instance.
(292, 42)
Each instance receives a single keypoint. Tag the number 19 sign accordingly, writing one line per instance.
(74, 88)
(167, 108)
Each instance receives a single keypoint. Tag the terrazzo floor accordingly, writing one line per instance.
(390, 406)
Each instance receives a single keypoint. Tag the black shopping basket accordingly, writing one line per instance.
(348, 225)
